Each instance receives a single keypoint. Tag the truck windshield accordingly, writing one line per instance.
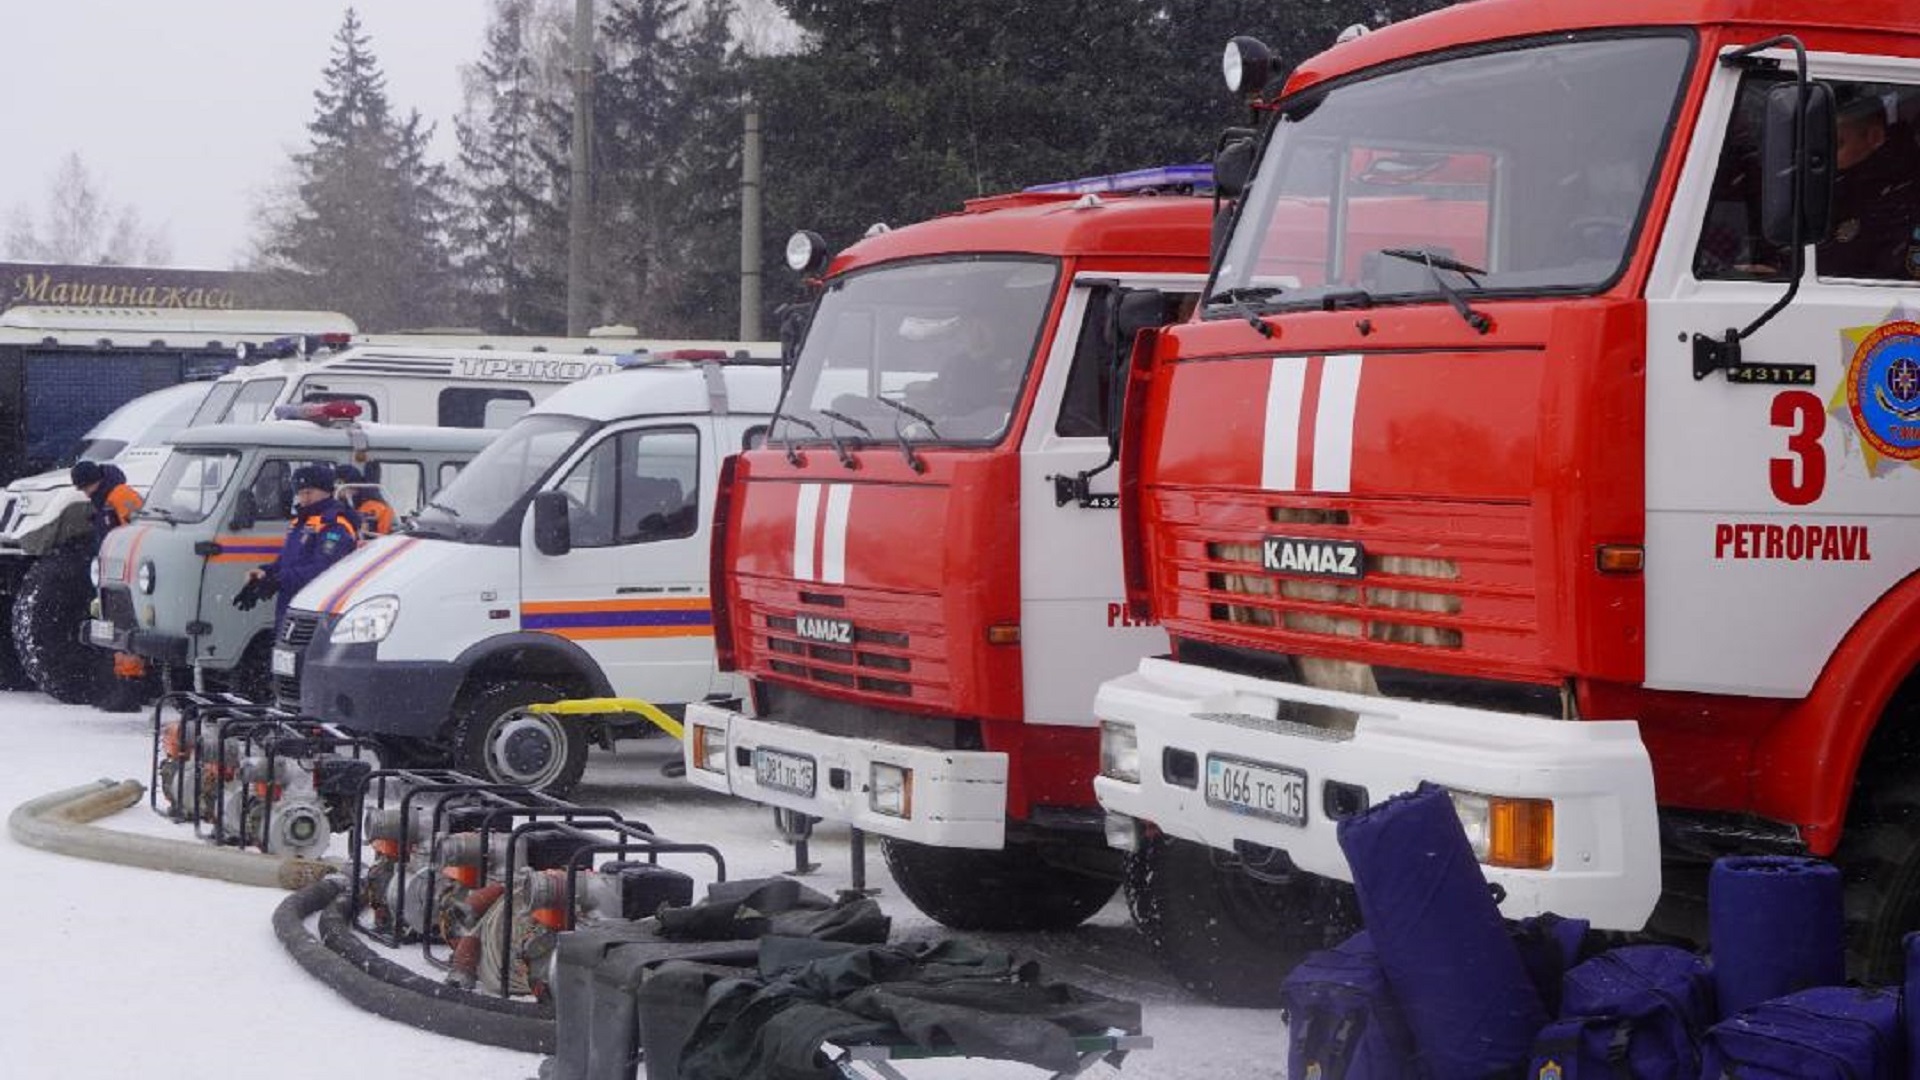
(947, 344)
(500, 478)
(1522, 171)
(190, 484)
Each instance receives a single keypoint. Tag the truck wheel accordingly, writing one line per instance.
(1226, 935)
(496, 739)
(1879, 857)
(54, 595)
(1014, 888)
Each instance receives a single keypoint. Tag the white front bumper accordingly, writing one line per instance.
(1606, 834)
(959, 796)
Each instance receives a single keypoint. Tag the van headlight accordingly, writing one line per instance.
(145, 577)
(1120, 751)
(366, 622)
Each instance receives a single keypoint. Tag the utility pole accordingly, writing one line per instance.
(580, 196)
(750, 225)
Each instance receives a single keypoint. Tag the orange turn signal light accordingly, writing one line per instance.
(1620, 558)
(1520, 833)
(1003, 634)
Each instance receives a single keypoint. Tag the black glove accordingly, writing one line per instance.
(254, 591)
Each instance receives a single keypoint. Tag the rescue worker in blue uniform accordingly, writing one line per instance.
(113, 500)
(322, 533)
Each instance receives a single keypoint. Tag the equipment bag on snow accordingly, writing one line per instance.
(1549, 947)
(1342, 1021)
(1634, 1013)
(1454, 970)
(1826, 1033)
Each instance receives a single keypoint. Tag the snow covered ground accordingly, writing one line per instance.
(116, 972)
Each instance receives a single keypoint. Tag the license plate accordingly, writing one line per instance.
(781, 771)
(285, 662)
(1269, 791)
(100, 631)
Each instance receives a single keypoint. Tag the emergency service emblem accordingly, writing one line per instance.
(1881, 391)
(1550, 1071)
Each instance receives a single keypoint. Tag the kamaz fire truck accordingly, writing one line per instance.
(920, 570)
(1542, 436)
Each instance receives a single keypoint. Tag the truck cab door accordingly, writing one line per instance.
(632, 589)
(1780, 495)
(1074, 633)
(250, 536)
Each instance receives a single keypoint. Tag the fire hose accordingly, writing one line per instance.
(60, 822)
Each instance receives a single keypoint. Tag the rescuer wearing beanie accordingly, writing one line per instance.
(113, 500)
(322, 533)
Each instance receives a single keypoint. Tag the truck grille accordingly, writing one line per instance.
(890, 652)
(116, 606)
(1436, 580)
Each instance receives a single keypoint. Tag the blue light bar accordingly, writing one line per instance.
(1195, 177)
(638, 358)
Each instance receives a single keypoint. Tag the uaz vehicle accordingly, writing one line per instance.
(922, 569)
(220, 508)
(570, 560)
(1600, 517)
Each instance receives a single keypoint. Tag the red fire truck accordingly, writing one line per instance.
(920, 570)
(1584, 493)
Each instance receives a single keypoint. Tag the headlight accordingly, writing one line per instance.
(145, 577)
(1515, 833)
(366, 622)
(709, 748)
(891, 791)
(24, 502)
(1120, 752)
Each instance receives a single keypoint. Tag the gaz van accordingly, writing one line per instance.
(220, 508)
(570, 560)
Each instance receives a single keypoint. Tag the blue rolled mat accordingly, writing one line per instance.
(1910, 1015)
(1776, 926)
(1456, 973)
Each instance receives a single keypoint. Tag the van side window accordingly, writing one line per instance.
(659, 485)
(482, 406)
(400, 482)
(254, 402)
(272, 491)
(637, 487)
(448, 470)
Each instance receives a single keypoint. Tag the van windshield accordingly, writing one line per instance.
(239, 402)
(190, 485)
(932, 351)
(1521, 171)
(477, 503)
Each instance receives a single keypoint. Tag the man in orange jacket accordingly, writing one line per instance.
(113, 500)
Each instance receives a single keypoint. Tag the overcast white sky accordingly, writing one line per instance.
(185, 109)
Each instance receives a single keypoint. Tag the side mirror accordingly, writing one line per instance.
(1137, 310)
(1233, 161)
(1779, 164)
(552, 531)
(246, 511)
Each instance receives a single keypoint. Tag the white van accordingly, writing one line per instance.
(569, 560)
(477, 382)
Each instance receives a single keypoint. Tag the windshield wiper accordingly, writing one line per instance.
(1435, 264)
(444, 508)
(1243, 300)
(160, 512)
(906, 444)
(832, 436)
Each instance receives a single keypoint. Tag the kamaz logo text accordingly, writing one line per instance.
(833, 631)
(1322, 558)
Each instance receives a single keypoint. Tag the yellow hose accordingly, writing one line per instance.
(603, 705)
